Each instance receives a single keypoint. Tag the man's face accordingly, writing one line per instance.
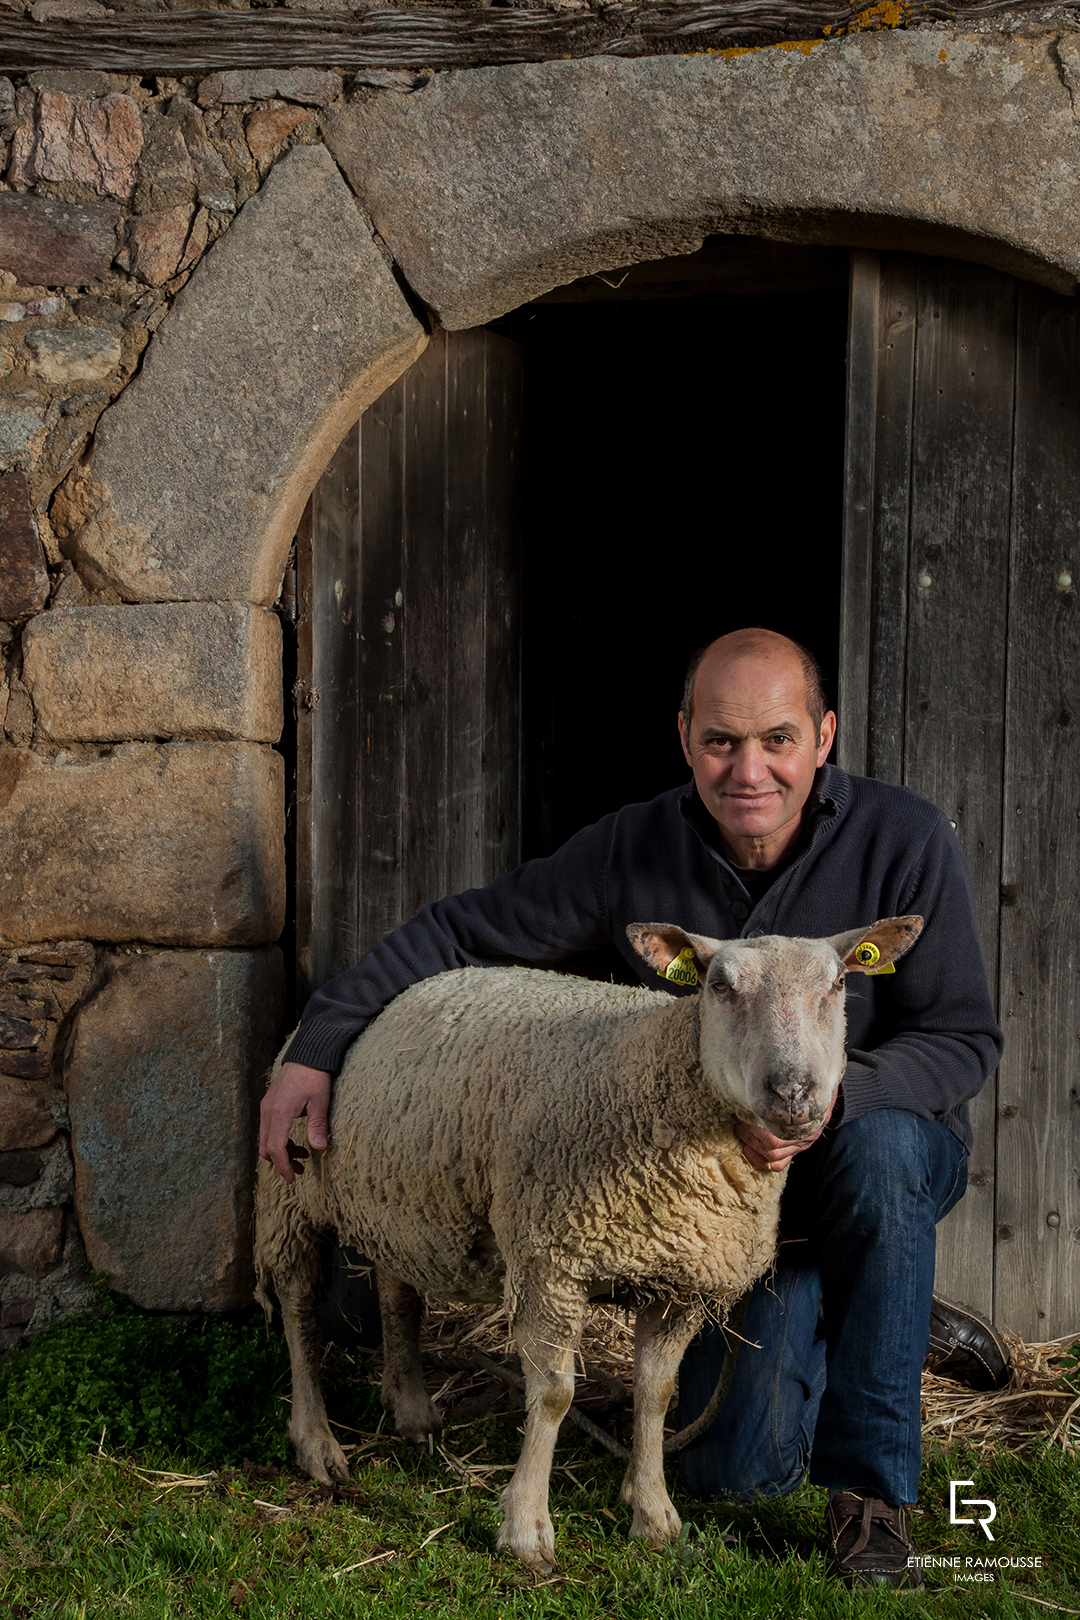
(753, 748)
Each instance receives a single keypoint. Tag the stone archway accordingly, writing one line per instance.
(488, 188)
(468, 197)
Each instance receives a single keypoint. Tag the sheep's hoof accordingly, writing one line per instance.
(323, 1459)
(657, 1524)
(530, 1538)
(419, 1422)
(536, 1550)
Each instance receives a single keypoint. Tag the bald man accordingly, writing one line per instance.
(766, 839)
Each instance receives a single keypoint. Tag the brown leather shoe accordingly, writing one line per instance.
(965, 1346)
(870, 1542)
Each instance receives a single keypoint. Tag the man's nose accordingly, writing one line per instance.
(750, 764)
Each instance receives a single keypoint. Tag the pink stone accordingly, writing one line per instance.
(80, 140)
(30, 1243)
(156, 243)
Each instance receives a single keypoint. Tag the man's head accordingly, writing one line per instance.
(754, 731)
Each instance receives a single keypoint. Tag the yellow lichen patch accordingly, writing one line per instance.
(887, 14)
(803, 46)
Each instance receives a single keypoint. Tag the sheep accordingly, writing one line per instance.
(524, 1136)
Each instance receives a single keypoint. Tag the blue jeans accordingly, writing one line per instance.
(838, 1332)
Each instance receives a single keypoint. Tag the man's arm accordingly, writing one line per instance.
(935, 1038)
(542, 912)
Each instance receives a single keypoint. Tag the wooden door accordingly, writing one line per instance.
(959, 677)
(409, 634)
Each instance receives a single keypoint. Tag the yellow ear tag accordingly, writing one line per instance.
(867, 954)
(683, 970)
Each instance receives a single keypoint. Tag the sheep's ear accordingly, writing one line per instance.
(660, 944)
(874, 949)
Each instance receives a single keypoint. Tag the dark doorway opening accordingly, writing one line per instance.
(683, 476)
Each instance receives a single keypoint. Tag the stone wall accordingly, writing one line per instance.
(140, 793)
(203, 282)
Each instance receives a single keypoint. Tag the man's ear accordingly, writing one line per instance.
(684, 738)
(660, 943)
(869, 950)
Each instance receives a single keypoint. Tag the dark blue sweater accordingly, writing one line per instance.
(924, 1038)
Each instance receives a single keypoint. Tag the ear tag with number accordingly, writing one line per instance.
(867, 954)
(683, 969)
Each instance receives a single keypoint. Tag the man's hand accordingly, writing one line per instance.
(295, 1090)
(767, 1152)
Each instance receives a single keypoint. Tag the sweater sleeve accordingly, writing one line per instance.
(538, 914)
(939, 1036)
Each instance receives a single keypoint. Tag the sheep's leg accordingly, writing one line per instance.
(403, 1392)
(298, 1291)
(661, 1334)
(546, 1328)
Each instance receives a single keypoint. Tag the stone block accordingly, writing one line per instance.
(20, 1168)
(47, 11)
(308, 85)
(73, 354)
(54, 244)
(179, 844)
(166, 175)
(215, 188)
(182, 669)
(22, 434)
(290, 325)
(24, 578)
(72, 81)
(164, 1077)
(156, 243)
(37, 1179)
(493, 186)
(268, 128)
(26, 1116)
(32, 1242)
(77, 140)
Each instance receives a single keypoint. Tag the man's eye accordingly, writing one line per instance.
(780, 737)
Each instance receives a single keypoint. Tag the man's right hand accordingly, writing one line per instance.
(295, 1090)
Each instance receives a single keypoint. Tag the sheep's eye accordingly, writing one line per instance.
(839, 985)
(719, 986)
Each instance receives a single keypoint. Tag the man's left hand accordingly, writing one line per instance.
(766, 1152)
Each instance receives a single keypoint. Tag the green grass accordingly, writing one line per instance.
(83, 1535)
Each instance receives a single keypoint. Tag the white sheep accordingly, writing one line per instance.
(507, 1134)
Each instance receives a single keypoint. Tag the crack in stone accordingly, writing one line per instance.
(1062, 70)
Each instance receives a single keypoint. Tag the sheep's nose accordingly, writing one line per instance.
(790, 1095)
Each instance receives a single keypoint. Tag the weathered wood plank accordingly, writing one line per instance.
(852, 742)
(432, 36)
(333, 697)
(424, 583)
(470, 536)
(892, 517)
(954, 710)
(502, 752)
(378, 813)
(1038, 1211)
(301, 708)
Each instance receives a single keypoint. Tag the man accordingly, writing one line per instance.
(768, 840)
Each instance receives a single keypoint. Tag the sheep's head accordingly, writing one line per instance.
(772, 1012)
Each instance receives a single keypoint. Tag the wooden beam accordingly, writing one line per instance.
(435, 36)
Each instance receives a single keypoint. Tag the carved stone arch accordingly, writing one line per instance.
(492, 186)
